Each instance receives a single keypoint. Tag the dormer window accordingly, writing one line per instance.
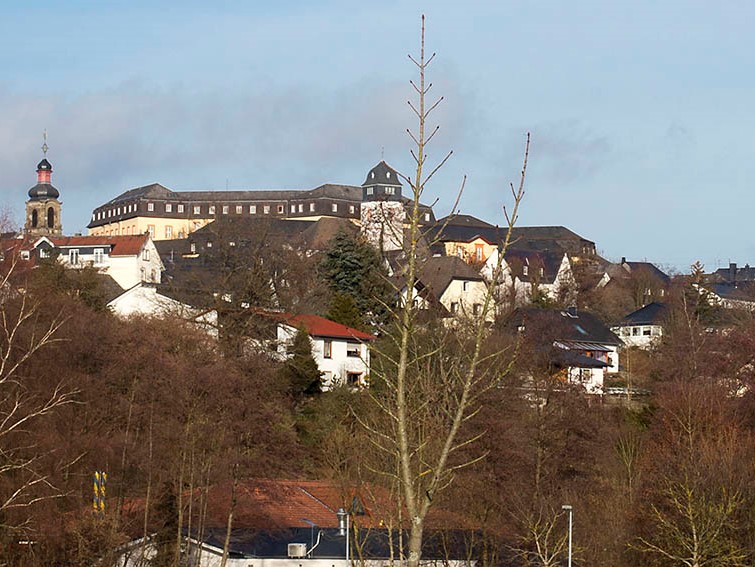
(180, 208)
(150, 207)
(524, 270)
(372, 175)
(168, 207)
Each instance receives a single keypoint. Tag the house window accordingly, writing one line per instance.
(43, 253)
(646, 331)
(145, 254)
(193, 247)
(73, 256)
(465, 286)
(301, 207)
(427, 217)
(212, 209)
(353, 378)
(390, 190)
(252, 209)
(454, 307)
(478, 252)
(197, 210)
(351, 209)
(168, 207)
(524, 270)
(168, 232)
(25, 255)
(370, 190)
(225, 209)
(635, 331)
(99, 255)
(150, 207)
(266, 209)
(311, 207)
(327, 349)
(280, 209)
(209, 244)
(119, 210)
(180, 208)
(293, 208)
(353, 350)
(334, 207)
(239, 209)
(476, 309)
(151, 230)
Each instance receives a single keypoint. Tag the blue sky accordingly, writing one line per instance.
(641, 113)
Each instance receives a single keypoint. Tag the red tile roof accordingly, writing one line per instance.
(283, 504)
(319, 326)
(119, 245)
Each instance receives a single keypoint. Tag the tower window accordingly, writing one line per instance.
(34, 218)
(50, 218)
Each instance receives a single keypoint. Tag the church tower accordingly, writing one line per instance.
(43, 207)
(382, 210)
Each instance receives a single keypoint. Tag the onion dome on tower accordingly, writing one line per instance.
(43, 207)
(43, 189)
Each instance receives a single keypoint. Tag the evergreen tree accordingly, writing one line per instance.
(344, 310)
(300, 370)
(353, 267)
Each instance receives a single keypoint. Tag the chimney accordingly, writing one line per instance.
(623, 260)
(732, 272)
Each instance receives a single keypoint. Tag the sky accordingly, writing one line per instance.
(641, 113)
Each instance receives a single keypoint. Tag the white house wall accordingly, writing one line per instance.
(465, 299)
(339, 365)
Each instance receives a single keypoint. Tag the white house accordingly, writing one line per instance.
(342, 353)
(457, 286)
(582, 348)
(643, 328)
(129, 260)
(523, 272)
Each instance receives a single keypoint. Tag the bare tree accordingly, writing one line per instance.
(24, 335)
(431, 379)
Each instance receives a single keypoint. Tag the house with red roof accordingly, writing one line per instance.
(129, 260)
(342, 353)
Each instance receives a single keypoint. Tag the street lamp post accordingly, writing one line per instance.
(343, 527)
(568, 508)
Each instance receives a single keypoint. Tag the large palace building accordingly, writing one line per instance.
(167, 214)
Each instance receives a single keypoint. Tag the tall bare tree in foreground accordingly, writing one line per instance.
(24, 334)
(428, 382)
